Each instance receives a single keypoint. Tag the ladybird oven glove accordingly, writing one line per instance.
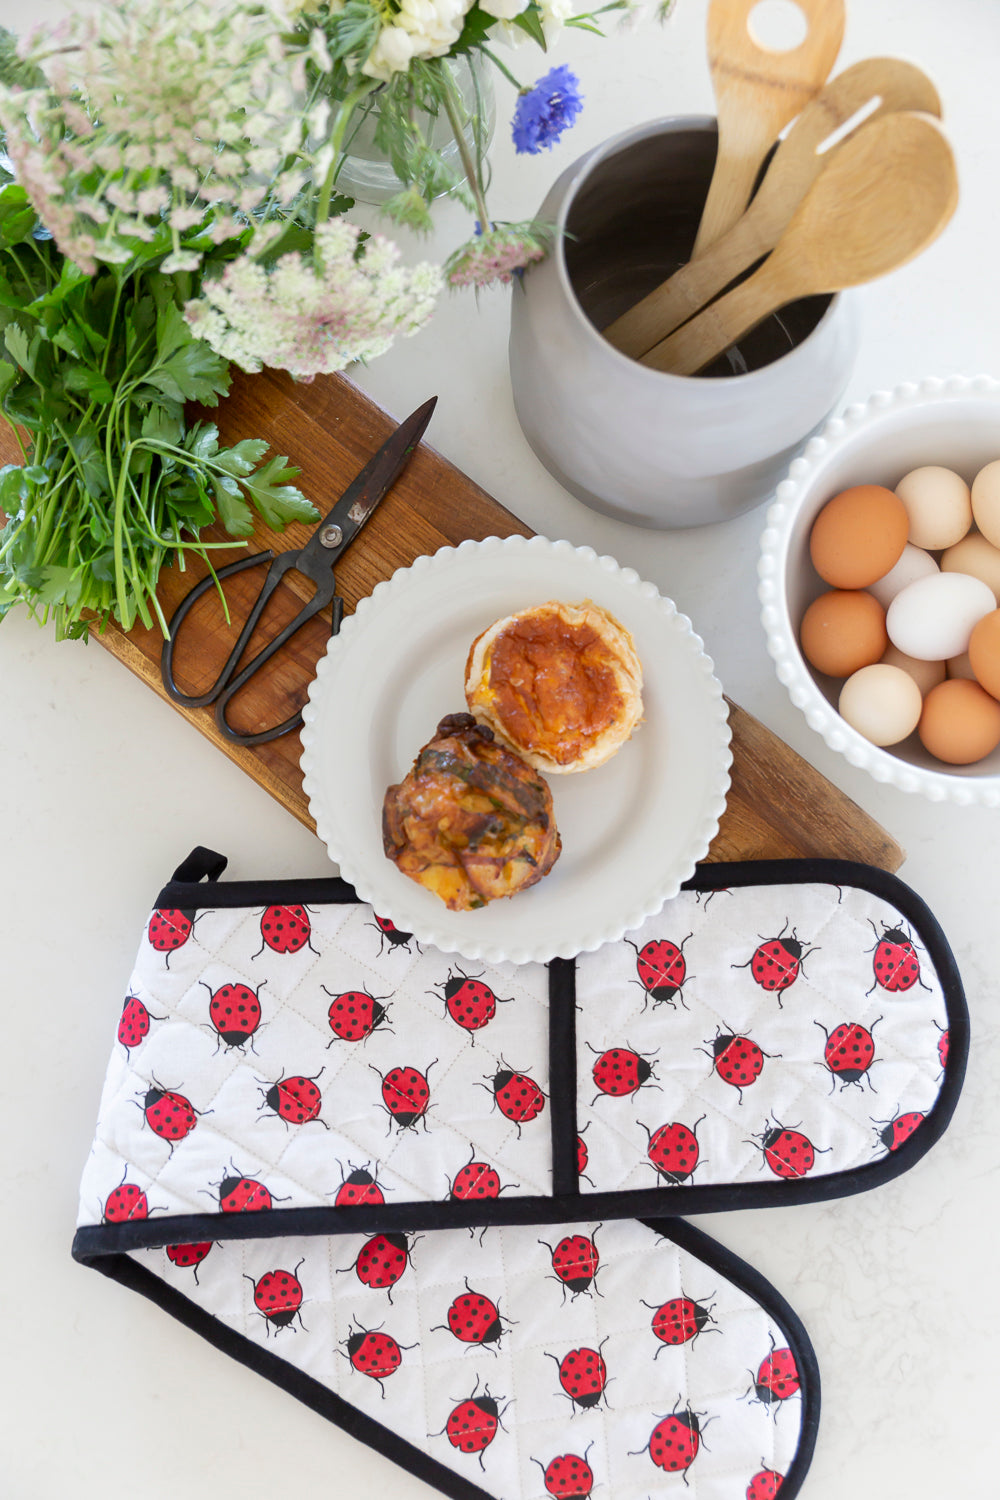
(409, 1190)
(778, 1033)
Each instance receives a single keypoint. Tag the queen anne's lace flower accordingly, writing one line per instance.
(169, 101)
(496, 255)
(315, 316)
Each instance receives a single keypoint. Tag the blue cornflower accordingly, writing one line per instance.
(542, 113)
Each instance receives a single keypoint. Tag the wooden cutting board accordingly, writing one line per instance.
(778, 807)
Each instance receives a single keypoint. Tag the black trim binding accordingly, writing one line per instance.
(562, 1074)
(414, 1460)
(568, 1202)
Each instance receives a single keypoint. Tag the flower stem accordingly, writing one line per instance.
(468, 164)
(344, 114)
(502, 68)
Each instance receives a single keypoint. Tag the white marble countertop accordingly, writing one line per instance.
(106, 789)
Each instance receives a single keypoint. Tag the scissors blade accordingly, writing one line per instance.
(336, 531)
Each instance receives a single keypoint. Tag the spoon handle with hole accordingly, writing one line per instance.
(889, 193)
(758, 91)
(888, 83)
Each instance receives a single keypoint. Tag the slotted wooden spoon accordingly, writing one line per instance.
(890, 191)
(889, 83)
(757, 92)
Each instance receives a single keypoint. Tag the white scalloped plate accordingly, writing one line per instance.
(632, 830)
(954, 422)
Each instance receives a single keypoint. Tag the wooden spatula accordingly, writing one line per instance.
(888, 83)
(890, 191)
(757, 92)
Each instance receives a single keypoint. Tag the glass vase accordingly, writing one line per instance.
(368, 175)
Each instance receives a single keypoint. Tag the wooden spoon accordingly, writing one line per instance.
(888, 193)
(757, 92)
(891, 84)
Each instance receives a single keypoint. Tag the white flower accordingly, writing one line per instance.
(504, 10)
(390, 54)
(312, 317)
(435, 25)
(554, 15)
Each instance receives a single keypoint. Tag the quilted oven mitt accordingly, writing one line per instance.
(299, 1095)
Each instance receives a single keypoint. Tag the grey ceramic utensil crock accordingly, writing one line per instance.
(659, 450)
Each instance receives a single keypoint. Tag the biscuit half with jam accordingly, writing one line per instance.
(560, 684)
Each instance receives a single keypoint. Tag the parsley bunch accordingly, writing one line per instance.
(95, 372)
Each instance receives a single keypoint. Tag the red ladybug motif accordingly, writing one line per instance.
(673, 1149)
(896, 966)
(942, 1047)
(189, 1256)
(406, 1095)
(777, 962)
(675, 1440)
(242, 1195)
(517, 1096)
(849, 1053)
(777, 1377)
(355, 1014)
(662, 969)
(738, 1060)
(375, 1354)
(788, 1152)
(125, 1203)
(285, 929)
(473, 1318)
(892, 1133)
(568, 1477)
(575, 1261)
(295, 1100)
(678, 1321)
(474, 1423)
(168, 1114)
(359, 1187)
(475, 1181)
(277, 1296)
(582, 1159)
(583, 1375)
(391, 934)
(470, 1003)
(764, 1485)
(381, 1261)
(620, 1072)
(134, 1023)
(169, 929)
(234, 1011)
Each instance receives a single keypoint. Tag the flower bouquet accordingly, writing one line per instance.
(169, 206)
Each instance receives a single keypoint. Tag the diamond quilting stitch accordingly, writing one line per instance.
(673, 1369)
(720, 1045)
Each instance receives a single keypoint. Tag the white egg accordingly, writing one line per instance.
(881, 702)
(913, 564)
(932, 619)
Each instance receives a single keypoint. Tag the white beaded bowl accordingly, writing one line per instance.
(953, 422)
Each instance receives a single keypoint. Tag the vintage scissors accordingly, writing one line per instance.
(315, 560)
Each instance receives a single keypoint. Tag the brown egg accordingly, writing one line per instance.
(858, 536)
(984, 652)
(843, 631)
(960, 722)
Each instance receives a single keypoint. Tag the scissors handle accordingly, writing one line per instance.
(226, 685)
(242, 678)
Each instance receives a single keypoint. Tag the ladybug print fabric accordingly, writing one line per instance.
(758, 1044)
(467, 1348)
(811, 1015)
(332, 1059)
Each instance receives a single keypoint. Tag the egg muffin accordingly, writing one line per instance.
(560, 684)
(470, 821)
